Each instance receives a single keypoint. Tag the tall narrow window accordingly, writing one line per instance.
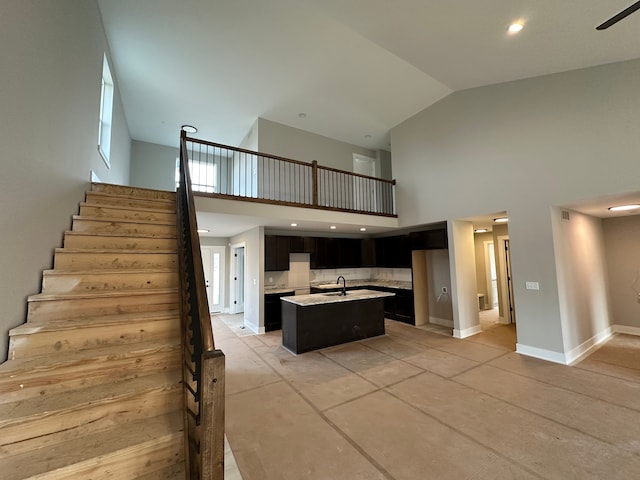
(106, 113)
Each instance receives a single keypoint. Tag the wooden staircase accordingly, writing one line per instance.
(93, 385)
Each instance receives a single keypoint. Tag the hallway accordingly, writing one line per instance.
(418, 405)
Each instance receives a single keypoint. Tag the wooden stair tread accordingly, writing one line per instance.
(131, 197)
(120, 235)
(71, 458)
(29, 367)
(122, 220)
(76, 399)
(45, 297)
(134, 192)
(124, 207)
(109, 271)
(92, 321)
(119, 251)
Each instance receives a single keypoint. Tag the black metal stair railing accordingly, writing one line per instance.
(203, 365)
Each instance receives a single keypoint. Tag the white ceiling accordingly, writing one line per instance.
(356, 68)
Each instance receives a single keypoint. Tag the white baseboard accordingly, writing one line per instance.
(441, 321)
(571, 357)
(626, 329)
(587, 347)
(467, 332)
(504, 321)
(253, 328)
(541, 353)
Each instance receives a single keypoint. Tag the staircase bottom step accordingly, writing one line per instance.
(136, 450)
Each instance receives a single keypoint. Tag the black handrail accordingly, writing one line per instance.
(203, 365)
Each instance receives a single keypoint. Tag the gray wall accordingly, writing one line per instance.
(622, 247)
(153, 166)
(281, 140)
(254, 271)
(523, 147)
(582, 279)
(51, 57)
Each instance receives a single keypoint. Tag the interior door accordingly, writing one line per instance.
(511, 313)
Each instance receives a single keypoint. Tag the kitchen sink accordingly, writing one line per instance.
(335, 294)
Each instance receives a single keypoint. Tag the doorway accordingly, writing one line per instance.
(364, 193)
(492, 275)
(213, 263)
(237, 278)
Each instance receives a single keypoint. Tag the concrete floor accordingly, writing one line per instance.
(418, 405)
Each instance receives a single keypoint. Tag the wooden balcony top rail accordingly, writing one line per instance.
(313, 164)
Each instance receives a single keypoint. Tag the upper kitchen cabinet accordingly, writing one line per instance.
(302, 245)
(368, 252)
(429, 239)
(276, 253)
(393, 252)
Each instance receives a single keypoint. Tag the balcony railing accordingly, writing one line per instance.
(222, 171)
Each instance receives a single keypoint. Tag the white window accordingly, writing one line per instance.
(106, 113)
(204, 176)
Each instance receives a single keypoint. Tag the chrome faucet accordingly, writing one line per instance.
(344, 284)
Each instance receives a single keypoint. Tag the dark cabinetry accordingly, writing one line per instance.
(429, 239)
(273, 310)
(327, 252)
(302, 244)
(399, 307)
(276, 253)
(393, 251)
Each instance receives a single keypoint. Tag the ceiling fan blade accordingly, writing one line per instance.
(616, 18)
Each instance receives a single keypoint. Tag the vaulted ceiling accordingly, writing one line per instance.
(356, 68)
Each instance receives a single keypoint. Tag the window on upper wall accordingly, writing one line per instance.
(204, 176)
(106, 113)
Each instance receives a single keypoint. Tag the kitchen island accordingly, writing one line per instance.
(320, 320)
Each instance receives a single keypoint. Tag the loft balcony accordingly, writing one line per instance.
(231, 173)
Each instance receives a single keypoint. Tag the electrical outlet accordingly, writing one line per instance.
(532, 285)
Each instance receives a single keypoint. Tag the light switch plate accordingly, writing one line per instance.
(532, 285)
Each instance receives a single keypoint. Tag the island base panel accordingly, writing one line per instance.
(306, 328)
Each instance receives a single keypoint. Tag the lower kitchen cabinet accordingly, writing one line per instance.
(273, 310)
(399, 307)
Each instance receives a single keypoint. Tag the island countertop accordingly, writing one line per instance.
(333, 297)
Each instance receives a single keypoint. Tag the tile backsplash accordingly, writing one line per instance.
(300, 275)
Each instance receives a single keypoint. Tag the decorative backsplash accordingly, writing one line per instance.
(300, 275)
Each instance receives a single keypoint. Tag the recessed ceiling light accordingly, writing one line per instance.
(201, 230)
(363, 229)
(302, 115)
(294, 224)
(501, 220)
(624, 208)
(332, 227)
(515, 27)
(481, 230)
(189, 128)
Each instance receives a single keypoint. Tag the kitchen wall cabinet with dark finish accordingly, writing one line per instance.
(393, 252)
(302, 245)
(273, 310)
(276, 253)
(429, 239)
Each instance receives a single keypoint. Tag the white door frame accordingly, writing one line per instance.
(207, 252)
(233, 305)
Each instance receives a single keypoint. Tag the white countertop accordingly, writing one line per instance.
(322, 298)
